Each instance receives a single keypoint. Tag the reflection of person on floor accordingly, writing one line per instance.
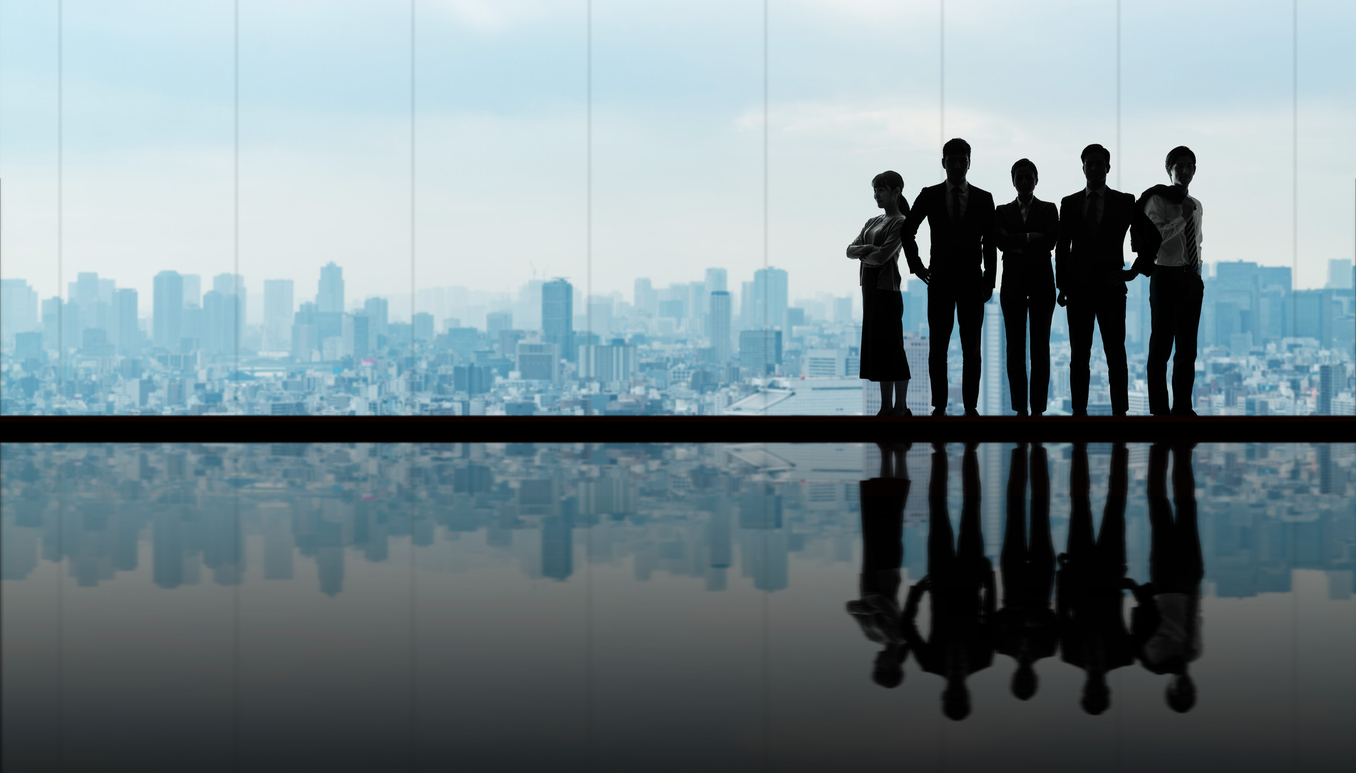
(961, 582)
(1025, 628)
(1167, 621)
(1092, 580)
(877, 612)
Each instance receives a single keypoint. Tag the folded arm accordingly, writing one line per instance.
(889, 249)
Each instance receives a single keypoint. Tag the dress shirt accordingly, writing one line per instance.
(1167, 216)
(964, 199)
(1025, 209)
(1091, 195)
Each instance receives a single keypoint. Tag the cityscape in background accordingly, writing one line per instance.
(726, 517)
(711, 347)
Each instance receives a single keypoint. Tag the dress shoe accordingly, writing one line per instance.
(1022, 414)
(1183, 412)
(971, 412)
(1080, 413)
(938, 411)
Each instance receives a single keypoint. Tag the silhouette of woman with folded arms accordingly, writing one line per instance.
(877, 247)
(877, 612)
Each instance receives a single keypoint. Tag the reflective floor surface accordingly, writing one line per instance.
(585, 607)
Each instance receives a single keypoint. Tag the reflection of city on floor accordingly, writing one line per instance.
(700, 511)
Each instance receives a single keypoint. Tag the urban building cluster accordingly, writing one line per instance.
(727, 517)
(697, 348)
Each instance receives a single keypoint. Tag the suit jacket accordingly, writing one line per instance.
(964, 255)
(1090, 259)
(1028, 262)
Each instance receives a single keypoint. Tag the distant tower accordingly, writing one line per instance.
(330, 297)
(168, 310)
(126, 335)
(993, 392)
(1327, 387)
(769, 298)
(278, 311)
(557, 316)
(720, 325)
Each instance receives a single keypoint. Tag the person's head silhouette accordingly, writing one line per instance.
(1096, 695)
(956, 700)
(1181, 693)
(1024, 682)
(1181, 165)
(1096, 163)
(1024, 177)
(956, 160)
(888, 188)
(888, 671)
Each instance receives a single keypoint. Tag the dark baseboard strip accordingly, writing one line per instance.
(672, 429)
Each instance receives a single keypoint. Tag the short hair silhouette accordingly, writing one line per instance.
(1181, 693)
(956, 147)
(1024, 682)
(1024, 162)
(956, 702)
(1095, 148)
(892, 179)
(1096, 697)
(1180, 150)
(888, 671)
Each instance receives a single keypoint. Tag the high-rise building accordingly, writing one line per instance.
(497, 322)
(538, 361)
(278, 311)
(994, 397)
(330, 295)
(18, 308)
(557, 316)
(125, 335)
(1327, 387)
(719, 328)
(760, 351)
(1340, 276)
(192, 289)
(423, 326)
(378, 316)
(233, 287)
(769, 299)
(614, 362)
(167, 313)
(356, 329)
(217, 335)
(646, 298)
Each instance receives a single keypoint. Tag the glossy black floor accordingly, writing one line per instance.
(489, 607)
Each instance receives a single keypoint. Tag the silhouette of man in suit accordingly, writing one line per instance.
(961, 270)
(1027, 231)
(1092, 580)
(877, 611)
(1167, 621)
(961, 582)
(1091, 275)
(1025, 628)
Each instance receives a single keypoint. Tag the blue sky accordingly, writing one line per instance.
(677, 127)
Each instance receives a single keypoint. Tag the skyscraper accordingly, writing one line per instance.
(646, 299)
(1327, 387)
(1340, 275)
(18, 308)
(769, 298)
(330, 296)
(125, 334)
(557, 316)
(994, 397)
(192, 289)
(278, 310)
(167, 314)
(719, 327)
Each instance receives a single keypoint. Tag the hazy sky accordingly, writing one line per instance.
(501, 127)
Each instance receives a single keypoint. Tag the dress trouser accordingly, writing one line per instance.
(946, 307)
(1019, 302)
(1175, 295)
(1106, 306)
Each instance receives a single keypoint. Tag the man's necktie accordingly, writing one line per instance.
(1091, 215)
(1191, 253)
(955, 206)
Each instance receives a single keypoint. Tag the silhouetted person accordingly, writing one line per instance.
(960, 272)
(1175, 286)
(877, 612)
(1027, 231)
(1025, 628)
(961, 582)
(1167, 621)
(1092, 582)
(1091, 274)
(877, 247)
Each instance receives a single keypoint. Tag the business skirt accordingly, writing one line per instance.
(883, 357)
